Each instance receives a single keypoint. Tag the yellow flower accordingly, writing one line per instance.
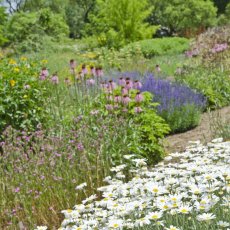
(23, 58)
(16, 70)
(12, 83)
(12, 62)
(44, 61)
(25, 96)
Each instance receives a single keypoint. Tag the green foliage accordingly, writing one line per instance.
(160, 46)
(22, 95)
(180, 15)
(3, 18)
(224, 19)
(146, 129)
(212, 83)
(183, 118)
(120, 22)
(27, 30)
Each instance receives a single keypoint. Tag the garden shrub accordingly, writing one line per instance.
(160, 46)
(213, 83)
(213, 47)
(180, 106)
(30, 29)
(22, 95)
(145, 129)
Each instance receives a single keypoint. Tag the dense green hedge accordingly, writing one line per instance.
(160, 46)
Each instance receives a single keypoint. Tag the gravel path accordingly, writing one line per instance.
(203, 132)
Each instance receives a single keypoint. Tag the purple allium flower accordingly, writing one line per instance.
(139, 97)
(54, 79)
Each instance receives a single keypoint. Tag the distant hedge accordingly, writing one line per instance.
(160, 46)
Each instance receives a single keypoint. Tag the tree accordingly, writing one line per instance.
(180, 15)
(221, 5)
(3, 17)
(77, 16)
(122, 21)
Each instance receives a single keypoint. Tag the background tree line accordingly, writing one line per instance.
(114, 22)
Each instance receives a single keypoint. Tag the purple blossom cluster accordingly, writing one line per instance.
(118, 94)
(192, 53)
(219, 47)
(172, 96)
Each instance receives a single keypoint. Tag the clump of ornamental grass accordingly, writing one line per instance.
(191, 193)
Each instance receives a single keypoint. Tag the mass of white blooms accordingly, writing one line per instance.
(185, 190)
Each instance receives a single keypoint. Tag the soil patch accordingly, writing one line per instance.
(203, 132)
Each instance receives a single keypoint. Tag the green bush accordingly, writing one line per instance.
(212, 83)
(22, 94)
(26, 31)
(160, 46)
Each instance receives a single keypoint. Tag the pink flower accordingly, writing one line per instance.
(138, 110)
(139, 97)
(112, 85)
(80, 147)
(67, 81)
(126, 99)
(44, 74)
(99, 72)
(124, 91)
(90, 82)
(104, 85)
(158, 69)
(109, 107)
(17, 189)
(117, 98)
(55, 79)
(92, 71)
(72, 64)
(128, 83)
(125, 110)
(121, 81)
(137, 85)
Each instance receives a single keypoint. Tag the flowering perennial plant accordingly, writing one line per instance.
(191, 193)
(179, 105)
